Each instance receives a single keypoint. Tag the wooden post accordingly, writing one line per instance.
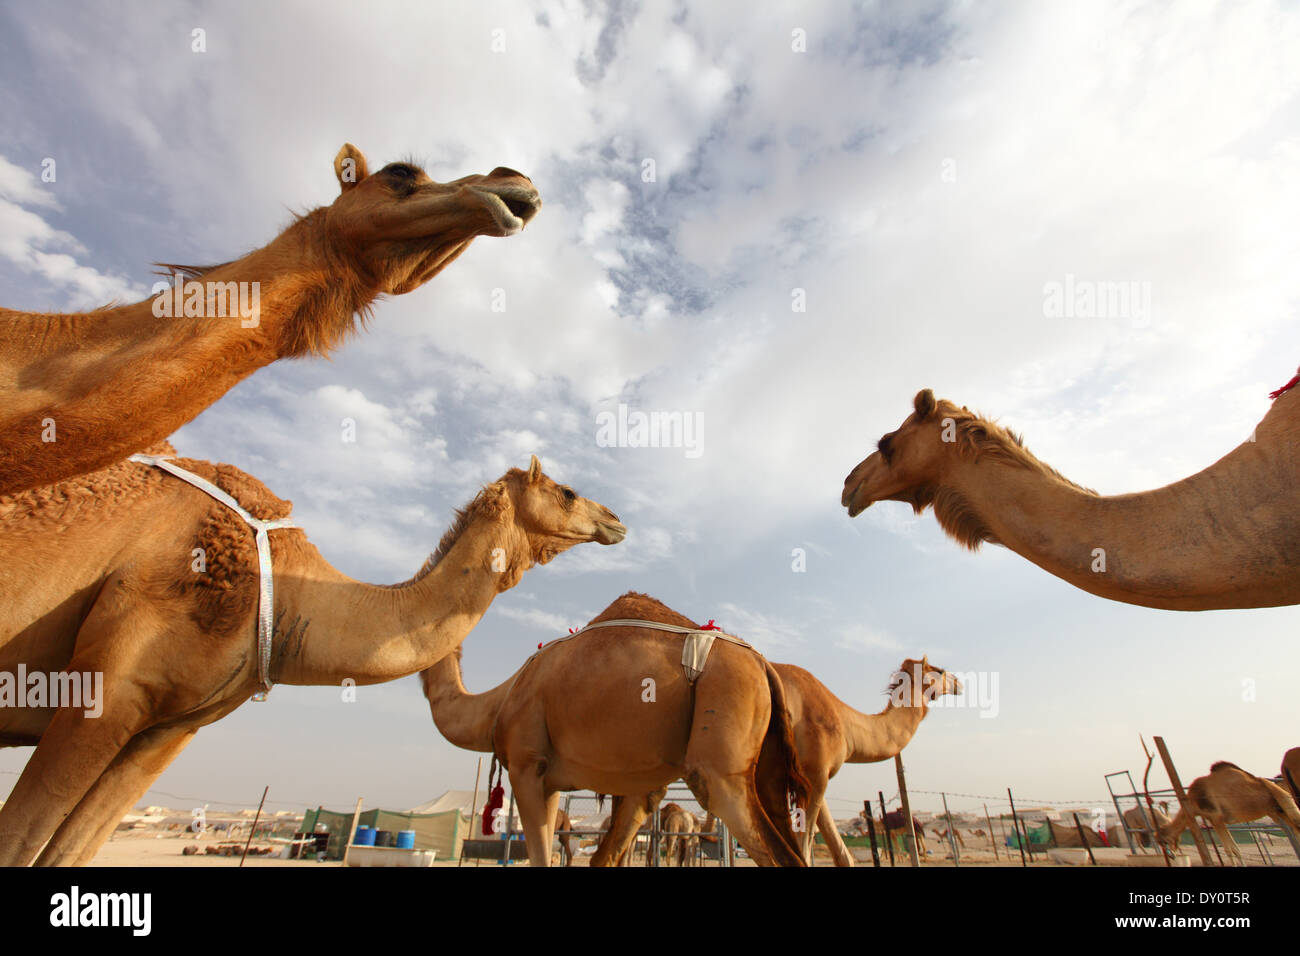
(347, 841)
(871, 832)
(473, 805)
(1182, 800)
(889, 840)
(1022, 839)
(1084, 837)
(992, 837)
(907, 809)
(253, 830)
(952, 841)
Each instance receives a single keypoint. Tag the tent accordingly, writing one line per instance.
(443, 832)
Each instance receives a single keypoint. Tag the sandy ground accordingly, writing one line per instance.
(144, 848)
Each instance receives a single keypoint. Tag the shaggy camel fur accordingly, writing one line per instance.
(580, 715)
(102, 574)
(81, 391)
(1229, 794)
(1228, 537)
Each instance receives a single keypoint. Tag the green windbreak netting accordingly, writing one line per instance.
(443, 832)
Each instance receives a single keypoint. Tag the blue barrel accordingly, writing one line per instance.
(406, 839)
(365, 836)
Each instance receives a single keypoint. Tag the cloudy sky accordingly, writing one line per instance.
(849, 203)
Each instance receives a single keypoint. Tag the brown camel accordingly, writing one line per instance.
(1229, 794)
(681, 846)
(828, 733)
(1228, 537)
(1291, 772)
(610, 710)
(1136, 819)
(79, 392)
(102, 575)
(894, 826)
(563, 826)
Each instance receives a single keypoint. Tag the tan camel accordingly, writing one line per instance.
(103, 575)
(828, 733)
(1229, 794)
(81, 391)
(681, 845)
(563, 828)
(1291, 772)
(894, 826)
(610, 710)
(1135, 818)
(1228, 537)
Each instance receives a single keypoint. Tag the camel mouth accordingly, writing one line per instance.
(610, 532)
(849, 500)
(513, 207)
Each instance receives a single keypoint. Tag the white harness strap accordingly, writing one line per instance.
(266, 595)
(695, 649)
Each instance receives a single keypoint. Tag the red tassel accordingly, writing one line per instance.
(1287, 387)
(539, 645)
(495, 802)
(710, 626)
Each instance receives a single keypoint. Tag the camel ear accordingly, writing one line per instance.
(350, 167)
(534, 471)
(924, 404)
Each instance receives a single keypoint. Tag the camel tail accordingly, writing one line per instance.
(1291, 784)
(780, 777)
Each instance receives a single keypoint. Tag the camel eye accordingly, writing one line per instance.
(569, 496)
(886, 447)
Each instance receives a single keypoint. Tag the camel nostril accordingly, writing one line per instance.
(524, 209)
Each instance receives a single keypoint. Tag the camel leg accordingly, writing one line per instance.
(626, 817)
(125, 781)
(536, 812)
(811, 818)
(1228, 843)
(728, 797)
(826, 825)
(73, 752)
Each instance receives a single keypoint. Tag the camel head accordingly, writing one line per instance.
(933, 682)
(399, 228)
(907, 462)
(553, 517)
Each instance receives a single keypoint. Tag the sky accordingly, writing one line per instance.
(780, 221)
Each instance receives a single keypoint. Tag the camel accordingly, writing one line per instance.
(1291, 772)
(1136, 819)
(1226, 795)
(563, 826)
(681, 846)
(1228, 537)
(894, 826)
(101, 575)
(610, 710)
(828, 733)
(79, 392)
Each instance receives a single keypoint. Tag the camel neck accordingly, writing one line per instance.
(371, 633)
(873, 737)
(466, 720)
(1228, 536)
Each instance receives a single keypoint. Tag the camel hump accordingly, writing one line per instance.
(1223, 765)
(257, 499)
(635, 606)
